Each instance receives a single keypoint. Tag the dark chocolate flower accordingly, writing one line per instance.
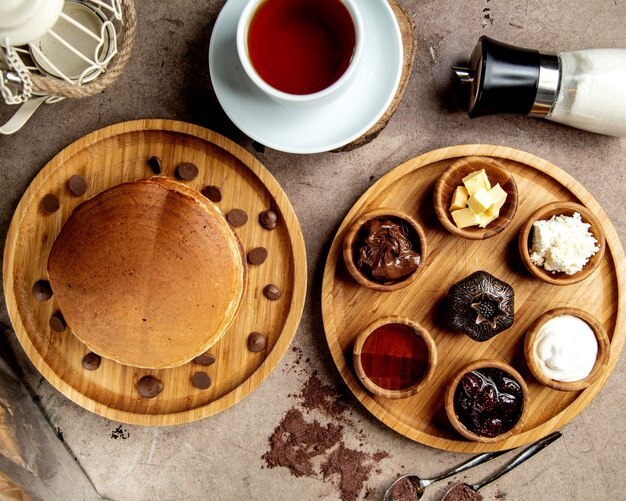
(481, 306)
(489, 307)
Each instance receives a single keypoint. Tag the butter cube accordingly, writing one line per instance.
(492, 211)
(485, 218)
(480, 201)
(459, 198)
(495, 208)
(498, 195)
(464, 217)
(475, 181)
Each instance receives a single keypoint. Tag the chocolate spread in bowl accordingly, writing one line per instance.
(386, 252)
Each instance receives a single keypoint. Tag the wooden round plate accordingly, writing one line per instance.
(117, 154)
(348, 308)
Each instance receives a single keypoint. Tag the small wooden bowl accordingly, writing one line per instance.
(602, 359)
(351, 244)
(546, 212)
(453, 177)
(371, 385)
(451, 389)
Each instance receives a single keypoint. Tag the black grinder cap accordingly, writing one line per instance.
(504, 78)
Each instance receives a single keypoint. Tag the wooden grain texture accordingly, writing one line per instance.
(602, 358)
(351, 244)
(117, 154)
(347, 308)
(451, 389)
(545, 213)
(453, 176)
(409, 44)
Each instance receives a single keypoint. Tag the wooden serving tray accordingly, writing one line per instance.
(117, 154)
(348, 308)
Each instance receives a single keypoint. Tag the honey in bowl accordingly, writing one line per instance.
(395, 357)
(301, 46)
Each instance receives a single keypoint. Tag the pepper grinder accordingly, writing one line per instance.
(584, 88)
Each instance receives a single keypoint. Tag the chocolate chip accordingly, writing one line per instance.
(204, 359)
(57, 322)
(155, 165)
(257, 255)
(42, 291)
(50, 203)
(256, 342)
(187, 171)
(237, 217)
(272, 292)
(91, 361)
(201, 380)
(77, 185)
(149, 387)
(213, 193)
(268, 219)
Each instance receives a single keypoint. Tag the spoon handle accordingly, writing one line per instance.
(475, 461)
(520, 458)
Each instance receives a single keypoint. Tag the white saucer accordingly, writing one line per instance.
(310, 129)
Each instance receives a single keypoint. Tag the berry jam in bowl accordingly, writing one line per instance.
(487, 401)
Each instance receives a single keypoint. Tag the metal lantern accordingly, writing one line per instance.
(54, 49)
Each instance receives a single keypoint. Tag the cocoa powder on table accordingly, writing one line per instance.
(308, 448)
(352, 467)
(295, 442)
(317, 395)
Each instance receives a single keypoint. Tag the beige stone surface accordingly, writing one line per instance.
(221, 457)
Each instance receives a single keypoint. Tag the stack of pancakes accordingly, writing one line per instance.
(148, 273)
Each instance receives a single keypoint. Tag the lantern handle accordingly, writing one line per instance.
(22, 115)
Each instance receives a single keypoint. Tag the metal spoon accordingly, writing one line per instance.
(419, 484)
(519, 459)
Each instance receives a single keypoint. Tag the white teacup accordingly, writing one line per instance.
(325, 94)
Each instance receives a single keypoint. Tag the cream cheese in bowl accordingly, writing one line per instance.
(566, 348)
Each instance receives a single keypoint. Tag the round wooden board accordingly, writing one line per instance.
(117, 154)
(347, 308)
(409, 44)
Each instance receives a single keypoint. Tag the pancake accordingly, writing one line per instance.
(148, 273)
